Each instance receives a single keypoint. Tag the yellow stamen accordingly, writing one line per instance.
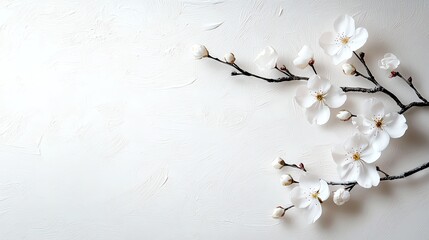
(345, 40)
(319, 97)
(315, 195)
(356, 156)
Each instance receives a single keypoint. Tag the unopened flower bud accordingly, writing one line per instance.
(278, 163)
(229, 58)
(344, 115)
(341, 196)
(199, 51)
(278, 212)
(286, 180)
(349, 69)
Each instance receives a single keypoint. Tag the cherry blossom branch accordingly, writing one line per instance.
(280, 163)
(291, 77)
(388, 177)
(371, 78)
(378, 169)
(379, 88)
(409, 81)
(300, 166)
(311, 64)
(361, 58)
(287, 208)
(284, 70)
(413, 104)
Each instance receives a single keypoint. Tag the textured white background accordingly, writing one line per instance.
(110, 130)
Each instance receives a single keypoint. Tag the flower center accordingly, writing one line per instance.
(356, 156)
(379, 123)
(345, 40)
(315, 195)
(320, 97)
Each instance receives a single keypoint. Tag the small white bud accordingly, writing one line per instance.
(278, 163)
(349, 69)
(286, 180)
(278, 212)
(344, 115)
(229, 58)
(199, 51)
(341, 196)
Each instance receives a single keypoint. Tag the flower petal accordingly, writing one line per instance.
(306, 52)
(324, 190)
(318, 84)
(327, 42)
(338, 154)
(368, 176)
(356, 143)
(343, 54)
(363, 124)
(395, 125)
(390, 56)
(318, 113)
(314, 211)
(301, 62)
(389, 62)
(369, 155)
(311, 182)
(304, 98)
(299, 197)
(345, 25)
(359, 39)
(349, 171)
(335, 97)
(375, 109)
(267, 58)
(380, 140)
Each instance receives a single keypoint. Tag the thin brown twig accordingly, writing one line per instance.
(409, 81)
(246, 73)
(379, 88)
(379, 169)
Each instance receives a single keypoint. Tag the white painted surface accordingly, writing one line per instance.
(110, 130)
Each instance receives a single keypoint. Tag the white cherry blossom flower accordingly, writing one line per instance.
(379, 125)
(341, 196)
(267, 58)
(346, 39)
(305, 56)
(354, 161)
(389, 62)
(317, 97)
(199, 51)
(309, 195)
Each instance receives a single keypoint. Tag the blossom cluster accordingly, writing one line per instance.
(356, 157)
